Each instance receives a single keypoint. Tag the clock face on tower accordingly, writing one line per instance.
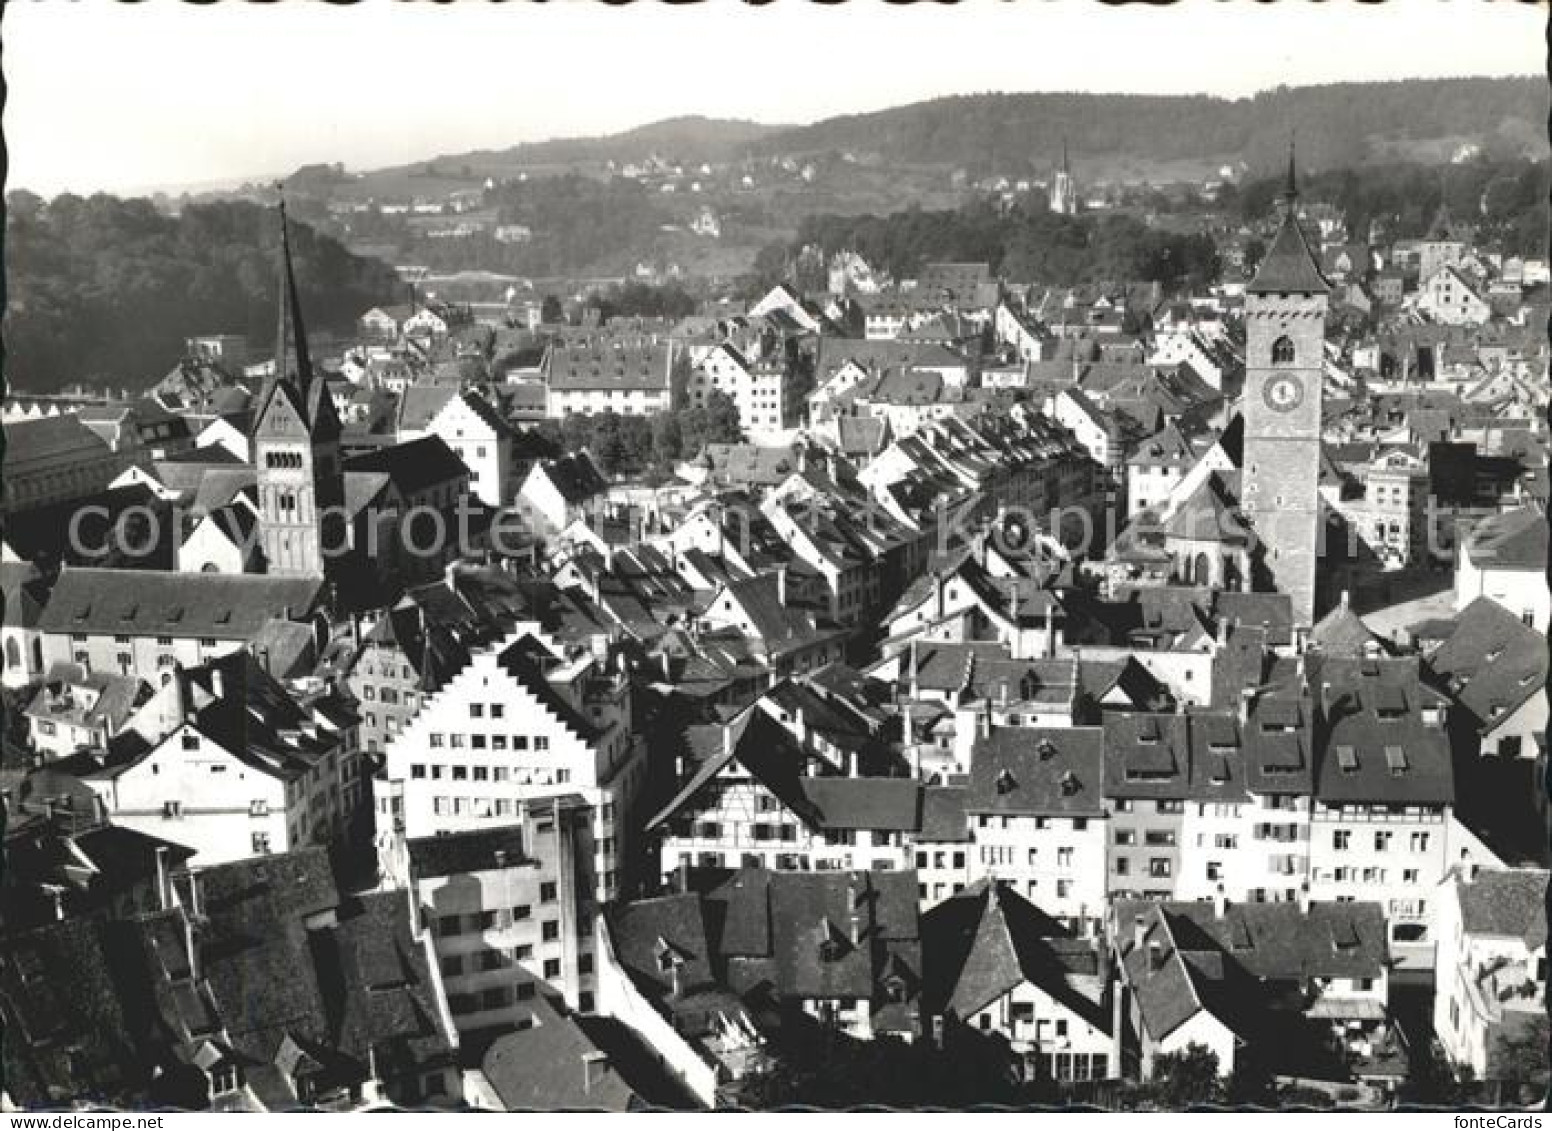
(1283, 393)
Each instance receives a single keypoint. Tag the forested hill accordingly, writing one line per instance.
(1337, 125)
(104, 291)
(690, 139)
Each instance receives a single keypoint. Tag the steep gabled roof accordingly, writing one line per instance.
(1289, 266)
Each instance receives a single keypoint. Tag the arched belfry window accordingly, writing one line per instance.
(1282, 351)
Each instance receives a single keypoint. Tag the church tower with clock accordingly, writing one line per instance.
(1285, 320)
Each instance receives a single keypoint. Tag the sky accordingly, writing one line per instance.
(110, 97)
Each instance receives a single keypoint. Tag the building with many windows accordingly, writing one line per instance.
(507, 919)
(525, 719)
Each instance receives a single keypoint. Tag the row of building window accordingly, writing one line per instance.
(538, 742)
(521, 775)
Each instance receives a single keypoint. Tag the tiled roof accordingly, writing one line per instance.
(943, 815)
(554, 1065)
(1491, 662)
(893, 804)
(412, 467)
(1375, 744)
(1038, 771)
(609, 365)
(1516, 540)
(1505, 903)
(983, 942)
(148, 603)
(1289, 266)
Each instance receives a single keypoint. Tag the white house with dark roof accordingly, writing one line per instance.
(1384, 793)
(555, 493)
(1505, 558)
(628, 376)
(1037, 816)
(74, 709)
(225, 760)
(1494, 666)
(754, 793)
(996, 963)
(224, 541)
(1490, 968)
(145, 621)
(479, 436)
(1447, 296)
(1247, 977)
(525, 719)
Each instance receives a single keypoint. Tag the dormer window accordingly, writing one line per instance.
(1069, 784)
(1006, 783)
(1347, 759)
(1395, 758)
(1046, 749)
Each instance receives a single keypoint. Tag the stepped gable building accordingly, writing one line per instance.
(1285, 313)
(296, 437)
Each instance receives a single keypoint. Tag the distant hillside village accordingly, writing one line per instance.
(938, 689)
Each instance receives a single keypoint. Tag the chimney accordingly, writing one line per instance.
(727, 740)
(1345, 600)
(1117, 1020)
(1246, 698)
(1139, 930)
(1304, 899)
(1223, 632)
(781, 585)
(668, 670)
(937, 584)
(800, 726)
(217, 685)
(58, 896)
(161, 878)
(1155, 955)
(1002, 693)
(188, 939)
(1050, 632)
(1220, 902)
(178, 709)
(914, 662)
(676, 976)
(1325, 698)
(371, 1087)
(986, 721)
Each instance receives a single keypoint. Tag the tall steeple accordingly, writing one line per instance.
(1285, 316)
(295, 443)
(292, 361)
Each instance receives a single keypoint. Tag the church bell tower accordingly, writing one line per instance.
(1285, 320)
(295, 444)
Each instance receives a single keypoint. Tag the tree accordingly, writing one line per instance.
(1182, 1079)
(551, 312)
(1255, 252)
(722, 421)
(1518, 1060)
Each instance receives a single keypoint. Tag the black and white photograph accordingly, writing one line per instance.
(592, 557)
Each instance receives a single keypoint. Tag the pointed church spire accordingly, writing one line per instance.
(1065, 167)
(1291, 186)
(290, 334)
